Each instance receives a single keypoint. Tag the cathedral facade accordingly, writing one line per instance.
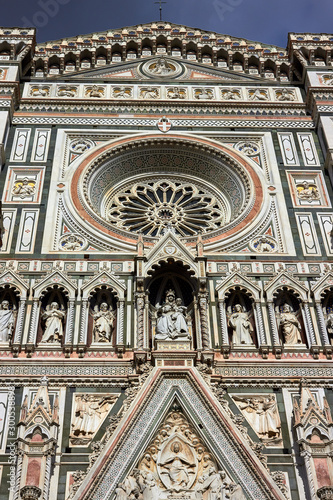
(166, 282)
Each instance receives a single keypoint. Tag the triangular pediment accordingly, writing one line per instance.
(202, 422)
(192, 72)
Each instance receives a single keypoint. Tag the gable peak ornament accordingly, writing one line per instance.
(164, 124)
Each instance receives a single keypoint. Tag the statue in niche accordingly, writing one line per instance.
(7, 321)
(171, 319)
(241, 327)
(262, 414)
(290, 326)
(53, 318)
(177, 466)
(329, 324)
(103, 323)
(89, 412)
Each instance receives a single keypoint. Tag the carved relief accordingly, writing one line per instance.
(149, 92)
(95, 91)
(258, 94)
(40, 91)
(261, 411)
(248, 148)
(80, 146)
(326, 79)
(307, 191)
(264, 244)
(122, 92)
(161, 67)
(205, 94)
(177, 465)
(72, 243)
(176, 92)
(24, 188)
(89, 413)
(285, 95)
(231, 94)
(67, 91)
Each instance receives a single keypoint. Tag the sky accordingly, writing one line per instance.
(267, 21)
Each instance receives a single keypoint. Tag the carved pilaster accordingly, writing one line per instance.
(70, 322)
(120, 328)
(83, 327)
(33, 322)
(19, 324)
(307, 461)
(260, 324)
(275, 334)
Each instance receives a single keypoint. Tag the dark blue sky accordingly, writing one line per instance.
(268, 21)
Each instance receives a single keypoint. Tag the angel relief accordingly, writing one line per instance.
(177, 465)
(53, 323)
(103, 317)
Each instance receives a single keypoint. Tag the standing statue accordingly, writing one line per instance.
(7, 320)
(329, 324)
(214, 483)
(103, 323)
(54, 320)
(171, 319)
(290, 326)
(241, 327)
(90, 410)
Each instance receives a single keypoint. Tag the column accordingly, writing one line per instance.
(140, 330)
(83, 325)
(260, 325)
(19, 323)
(307, 461)
(308, 324)
(204, 321)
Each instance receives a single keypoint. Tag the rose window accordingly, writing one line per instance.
(150, 207)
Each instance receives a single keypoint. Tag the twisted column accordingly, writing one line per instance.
(322, 324)
(272, 322)
(310, 330)
(223, 321)
(33, 322)
(83, 325)
(140, 309)
(70, 322)
(204, 321)
(19, 323)
(120, 322)
(307, 461)
(261, 329)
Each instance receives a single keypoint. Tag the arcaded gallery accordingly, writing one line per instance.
(166, 282)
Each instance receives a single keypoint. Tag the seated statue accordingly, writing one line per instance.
(171, 319)
(103, 323)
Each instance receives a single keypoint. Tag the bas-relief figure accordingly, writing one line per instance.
(290, 326)
(171, 319)
(241, 326)
(24, 188)
(177, 464)
(308, 192)
(89, 412)
(262, 414)
(161, 67)
(103, 323)
(7, 321)
(53, 319)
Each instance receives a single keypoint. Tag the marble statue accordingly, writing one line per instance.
(241, 327)
(103, 323)
(171, 319)
(89, 412)
(262, 413)
(7, 320)
(53, 318)
(290, 326)
(329, 323)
